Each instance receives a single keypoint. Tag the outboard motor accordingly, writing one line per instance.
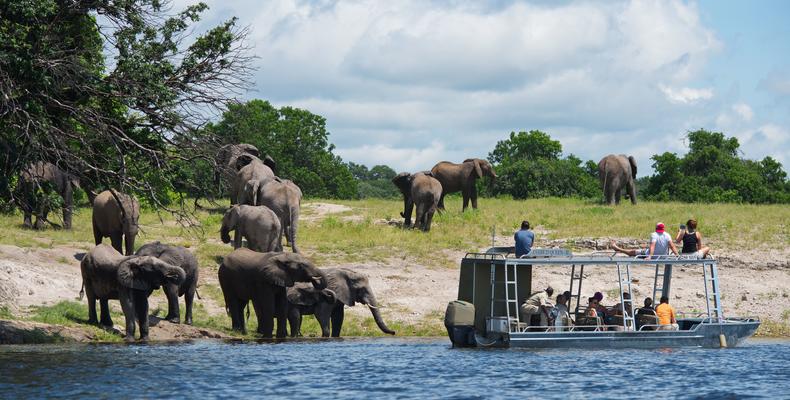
(459, 319)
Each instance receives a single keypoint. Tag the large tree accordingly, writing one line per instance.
(113, 90)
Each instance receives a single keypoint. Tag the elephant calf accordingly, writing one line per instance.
(184, 259)
(259, 224)
(115, 216)
(347, 286)
(107, 274)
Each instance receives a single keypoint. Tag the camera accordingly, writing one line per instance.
(682, 226)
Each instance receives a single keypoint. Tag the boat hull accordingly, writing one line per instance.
(703, 334)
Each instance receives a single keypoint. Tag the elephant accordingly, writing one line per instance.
(259, 224)
(421, 190)
(617, 172)
(348, 287)
(246, 275)
(107, 274)
(283, 197)
(226, 160)
(455, 177)
(117, 222)
(38, 175)
(184, 259)
(249, 168)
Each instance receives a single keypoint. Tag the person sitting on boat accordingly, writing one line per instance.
(692, 240)
(538, 303)
(666, 315)
(647, 309)
(660, 245)
(559, 314)
(524, 239)
(599, 307)
(646, 316)
(617, 309)
(567, 295)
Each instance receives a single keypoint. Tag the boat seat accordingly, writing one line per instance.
(587, 323)
(646, 319)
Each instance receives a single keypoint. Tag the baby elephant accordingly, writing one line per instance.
(107, 274)
(259, 224)
(183, 258)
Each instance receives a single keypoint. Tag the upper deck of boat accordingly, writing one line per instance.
(506, 255)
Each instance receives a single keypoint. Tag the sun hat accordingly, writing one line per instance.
(598, 296)
(660, 227)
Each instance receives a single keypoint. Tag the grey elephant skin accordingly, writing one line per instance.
(184, 259)
(107, 274)
(615, 173)
(115, 215)
(283, 197)
(259, 224)
(420, 190)
(249, 168)
(48, 177)
(462, 177)
(262, 278)
(227, 156)
(348, 286)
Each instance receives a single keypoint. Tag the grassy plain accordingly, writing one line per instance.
(369, 231)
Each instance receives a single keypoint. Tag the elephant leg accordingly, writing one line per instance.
(235, 309)
(292, 239)
(68, 204)
(264, 310)
(617, 195)
(337, 320)
(441, 201)
(116, 238)
(466, 196)
(92, 319)
(189, 296)
(473, 196)
(97, 235)
(324, 318)
(419, 220)
(127, 305)
(632, 190)
(295, 321)
(140, 299)
(429, 218)
(281, 313)
(28, 219)
(105, 312)
(173, 313)
(237, 238)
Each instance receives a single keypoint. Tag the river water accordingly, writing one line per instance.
(387, 368)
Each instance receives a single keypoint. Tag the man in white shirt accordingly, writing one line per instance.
(660, 245)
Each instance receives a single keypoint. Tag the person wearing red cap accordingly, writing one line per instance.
(660, 245)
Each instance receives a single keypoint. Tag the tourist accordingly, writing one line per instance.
(692, 240)
(666, 315)
(660, 245)
(538, 303)
(617, 309)
(647, 309)
(560, 313)
(599, 307)
(646, 316)
(524, 239)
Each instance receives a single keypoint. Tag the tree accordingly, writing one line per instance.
(712, 172)
(296, 139)
(115, 122)
(374, 183)
(529, 165)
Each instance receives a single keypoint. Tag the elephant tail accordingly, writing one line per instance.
(198, 294)
(82, 290)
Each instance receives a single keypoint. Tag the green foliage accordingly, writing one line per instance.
(298, 142)
(374, 183)
(712, 172)
(529, 166)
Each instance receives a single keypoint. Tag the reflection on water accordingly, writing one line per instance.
(356, 368)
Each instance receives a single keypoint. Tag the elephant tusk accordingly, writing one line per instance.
(375, 307)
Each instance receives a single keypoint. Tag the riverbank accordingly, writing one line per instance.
(413, 274)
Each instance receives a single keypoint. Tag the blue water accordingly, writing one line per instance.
(388, 368)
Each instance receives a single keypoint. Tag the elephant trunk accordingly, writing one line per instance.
(224, 233)
(374, 309)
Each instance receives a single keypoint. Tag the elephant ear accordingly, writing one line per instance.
(632, 161)
(278, 271)
(341, 283)
(269, 162)
(302, 294)
(403, 182)
(476, 163)
(243, 160)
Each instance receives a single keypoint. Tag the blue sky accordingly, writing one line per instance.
(411, 83)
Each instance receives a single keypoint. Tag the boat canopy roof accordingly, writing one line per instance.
(567, 258)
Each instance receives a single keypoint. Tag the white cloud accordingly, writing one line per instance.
(411, 82)
(686, 95)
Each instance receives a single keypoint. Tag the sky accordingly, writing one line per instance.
(410, 83)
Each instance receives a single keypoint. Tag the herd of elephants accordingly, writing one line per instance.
(281, 285)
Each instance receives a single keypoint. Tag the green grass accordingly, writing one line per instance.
(5, 313)
(72, 313)
(770, 328)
